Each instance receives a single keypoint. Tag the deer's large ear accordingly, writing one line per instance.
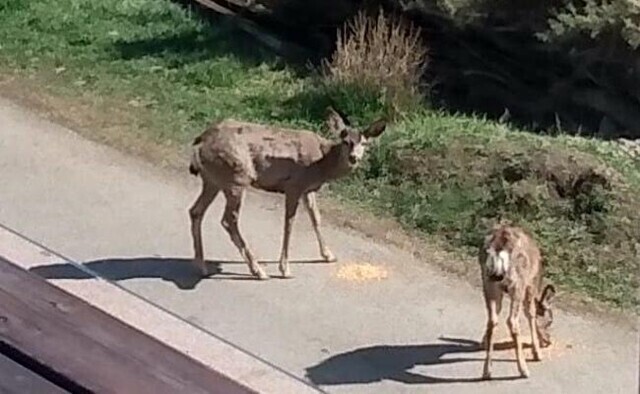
(375, 129)
(335, 122)
(547, 296)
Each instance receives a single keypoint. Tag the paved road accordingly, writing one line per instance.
(411, 332)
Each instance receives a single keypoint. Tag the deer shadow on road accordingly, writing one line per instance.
(180, 271)
(377, 363)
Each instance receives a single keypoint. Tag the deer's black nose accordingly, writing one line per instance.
(496, 278)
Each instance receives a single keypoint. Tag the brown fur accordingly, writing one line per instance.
(231, 156)
(522, 281)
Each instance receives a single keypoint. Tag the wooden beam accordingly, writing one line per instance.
(91, 348)
(268, 39)
(16, 379)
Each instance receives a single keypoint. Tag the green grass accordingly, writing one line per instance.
(444, 175)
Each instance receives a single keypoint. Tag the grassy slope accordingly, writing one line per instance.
(440, 174)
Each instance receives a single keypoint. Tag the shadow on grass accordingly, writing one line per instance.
(219, 36)
(181, 272)
(377, 363)
(198, 45)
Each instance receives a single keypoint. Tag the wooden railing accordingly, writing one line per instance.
(52, 341)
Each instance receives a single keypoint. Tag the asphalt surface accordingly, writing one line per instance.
(414, 331)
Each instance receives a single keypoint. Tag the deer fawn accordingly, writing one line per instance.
(511, 263)
(230, 156)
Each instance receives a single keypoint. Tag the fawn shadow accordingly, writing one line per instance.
(181, 272)
(377, 363)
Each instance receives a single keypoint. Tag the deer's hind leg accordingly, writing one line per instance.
(196, 212)
(530, 313)
(229, 221)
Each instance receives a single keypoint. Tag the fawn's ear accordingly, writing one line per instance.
(375, 129)
(336, 122)
(548, 294)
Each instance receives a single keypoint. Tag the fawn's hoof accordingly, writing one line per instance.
(524, 373)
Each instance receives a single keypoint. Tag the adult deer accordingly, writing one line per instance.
(231, 155)
(511, 263)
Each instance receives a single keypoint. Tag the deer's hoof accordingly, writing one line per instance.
(524, 373)
(202, 268)
(329, 257)
(486, 375)
(259, 273)
(286, 273)
(262, 275)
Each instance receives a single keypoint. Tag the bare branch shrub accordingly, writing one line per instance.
(382, 54)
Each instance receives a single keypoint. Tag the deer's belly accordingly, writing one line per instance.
(271, 182)
(278, 175)
(269, 188)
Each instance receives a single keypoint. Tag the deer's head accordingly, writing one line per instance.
(544, 315)
(353, 142)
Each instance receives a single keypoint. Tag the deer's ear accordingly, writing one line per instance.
(376, 128)
(547, 296)
(335, 122)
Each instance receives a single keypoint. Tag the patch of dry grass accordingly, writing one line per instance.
(382, 54)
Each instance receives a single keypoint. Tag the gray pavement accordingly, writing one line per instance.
(413, 331)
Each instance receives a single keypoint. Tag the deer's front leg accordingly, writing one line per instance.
(492, 322)
(314, 214)
(291, 206)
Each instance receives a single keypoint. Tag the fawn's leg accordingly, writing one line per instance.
(314, 214)
(493, 305)
(230, 223)
(291, 206)
(497, 296)
(514, 327)
(196, 212)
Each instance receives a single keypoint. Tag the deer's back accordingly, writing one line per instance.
(530, 267)
(266, 157)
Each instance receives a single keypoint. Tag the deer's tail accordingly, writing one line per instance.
(196, 163)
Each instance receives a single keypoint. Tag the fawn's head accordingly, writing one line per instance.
(353, 142)
(544, 315)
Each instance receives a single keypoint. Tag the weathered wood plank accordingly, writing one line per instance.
(95, 350)
(16, 379)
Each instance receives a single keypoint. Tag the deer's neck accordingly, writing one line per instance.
(334, 163)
